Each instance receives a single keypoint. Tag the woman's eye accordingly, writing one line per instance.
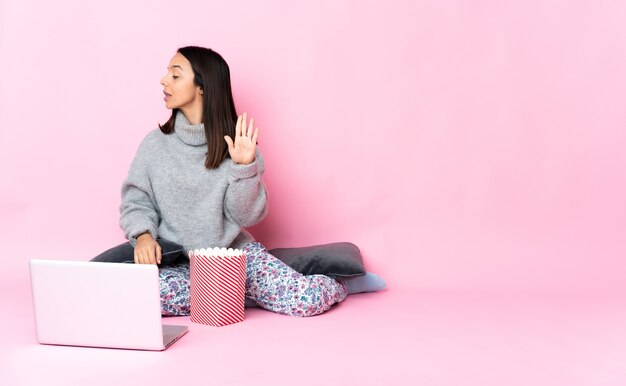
(175, 76)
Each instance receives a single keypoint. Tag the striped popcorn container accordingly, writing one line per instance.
(218, 284)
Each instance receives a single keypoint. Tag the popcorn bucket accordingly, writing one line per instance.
(218, 284)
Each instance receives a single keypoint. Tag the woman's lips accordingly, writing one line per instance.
(167, 96)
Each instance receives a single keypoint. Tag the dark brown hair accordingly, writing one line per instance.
(219, 116)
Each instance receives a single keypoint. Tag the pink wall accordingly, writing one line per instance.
(460, 144)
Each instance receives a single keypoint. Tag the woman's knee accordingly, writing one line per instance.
(254, 248)
(123, 253)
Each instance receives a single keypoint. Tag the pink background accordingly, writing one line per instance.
(460, 144)
(473, 146)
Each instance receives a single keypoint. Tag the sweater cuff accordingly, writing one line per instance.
(245, 171)
(132, 237)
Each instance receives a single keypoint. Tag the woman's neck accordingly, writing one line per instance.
(193, 114)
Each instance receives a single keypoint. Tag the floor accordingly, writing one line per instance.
(400, 336)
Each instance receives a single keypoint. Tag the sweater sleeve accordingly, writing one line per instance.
(138, 211)
(246, 196)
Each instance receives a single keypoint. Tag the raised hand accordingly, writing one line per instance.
(243, 150)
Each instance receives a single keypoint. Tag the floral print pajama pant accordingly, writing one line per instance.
(270, 283)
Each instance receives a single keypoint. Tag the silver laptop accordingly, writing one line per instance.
(99, 305)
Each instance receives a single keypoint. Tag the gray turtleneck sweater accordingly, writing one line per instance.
(171, 194)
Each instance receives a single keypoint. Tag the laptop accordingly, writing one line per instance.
(93, 304)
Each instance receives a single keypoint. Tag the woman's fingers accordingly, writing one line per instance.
(244, 128)
(229, 142)
(238, 127)
(250, 128)
(158, 254)
(144, 258)
(152, 255)
(148, 255)
(246, 137)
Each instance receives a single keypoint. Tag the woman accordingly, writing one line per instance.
(196, 183)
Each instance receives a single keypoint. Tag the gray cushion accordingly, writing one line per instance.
(338, 260)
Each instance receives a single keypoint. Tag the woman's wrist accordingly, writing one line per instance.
(142, 235)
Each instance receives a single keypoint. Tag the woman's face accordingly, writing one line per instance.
(178, 87)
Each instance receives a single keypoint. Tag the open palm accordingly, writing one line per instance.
(243, 149)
